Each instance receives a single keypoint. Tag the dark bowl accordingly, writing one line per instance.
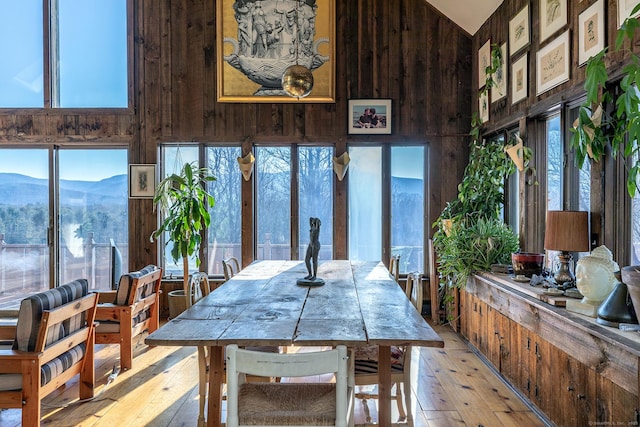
(527, 263)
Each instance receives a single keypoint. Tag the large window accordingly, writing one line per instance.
(87, 42)
(404, 192)
(41, 246)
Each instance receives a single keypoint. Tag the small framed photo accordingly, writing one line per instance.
(484, 60)
(625, 7)
(552, 64)
(519, 78)
(519, 31)
(370, 116)
(591, 31)
(499, 90)
(142, 181)
(553, 16)
(483, 106)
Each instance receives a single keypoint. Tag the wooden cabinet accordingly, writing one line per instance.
(574, 370)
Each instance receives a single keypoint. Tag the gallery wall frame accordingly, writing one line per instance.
(483, 106)
(625, 7)
(553, 16)
(552, 63)
(591, 31)
(142, 181)
(369, 116)
(378, 121)
(499, 90)
(519, 31)
(251, 71)
(519, 78)
(484, 60)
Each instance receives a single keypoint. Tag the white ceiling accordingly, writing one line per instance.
(468, 14)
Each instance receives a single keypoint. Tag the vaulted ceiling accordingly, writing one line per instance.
(468, 14)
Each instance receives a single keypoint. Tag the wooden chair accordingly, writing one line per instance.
(394, 267)
(53, 343)
(132, 309)
(366, 362)
(290, 403)
(230, 267)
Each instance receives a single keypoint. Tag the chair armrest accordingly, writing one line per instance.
(109, 312)
(106, 296)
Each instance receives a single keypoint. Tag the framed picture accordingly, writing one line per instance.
(142, 181)
(258, 40)
(483, 106)
(370, 116)
(552, 64)
(484, 60)
(499, 90)
(553, 16)
(591, 31)
(625, 7)
(519, 79)
(519, 31)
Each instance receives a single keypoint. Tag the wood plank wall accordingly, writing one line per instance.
(402, 49)
(608, 199)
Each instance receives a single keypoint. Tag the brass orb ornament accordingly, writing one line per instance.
(297, 81)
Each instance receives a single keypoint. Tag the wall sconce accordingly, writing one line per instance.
(340, 165)
(246, 165)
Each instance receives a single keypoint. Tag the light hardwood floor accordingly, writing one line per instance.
(451, 387)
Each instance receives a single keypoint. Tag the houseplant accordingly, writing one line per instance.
(476, 236)
(603, 125)
(184, 203)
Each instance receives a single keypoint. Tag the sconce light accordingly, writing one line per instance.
(246, 165)
(515, 152)
(340, 165)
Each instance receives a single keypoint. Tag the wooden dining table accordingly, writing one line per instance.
(359, 304)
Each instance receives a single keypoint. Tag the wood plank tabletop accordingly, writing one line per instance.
(359, 304)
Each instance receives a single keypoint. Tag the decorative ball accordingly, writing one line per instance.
(297, 81)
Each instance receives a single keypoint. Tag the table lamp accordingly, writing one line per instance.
(566, 231)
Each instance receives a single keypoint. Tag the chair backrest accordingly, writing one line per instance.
(414, 290)
(198, 288)
(394, 266)
(137, 285)
(241, 362)
(230, 267)
(115, 265)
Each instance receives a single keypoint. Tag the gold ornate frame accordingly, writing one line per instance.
(234, 85)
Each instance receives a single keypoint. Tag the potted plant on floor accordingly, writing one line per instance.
(184, 204)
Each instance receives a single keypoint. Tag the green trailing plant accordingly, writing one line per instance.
(603, 124)
(184, 204)
(470, 235)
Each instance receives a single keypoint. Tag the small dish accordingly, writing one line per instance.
(553, 291)
(521, 279)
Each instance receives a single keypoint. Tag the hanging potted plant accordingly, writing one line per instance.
(184, 204)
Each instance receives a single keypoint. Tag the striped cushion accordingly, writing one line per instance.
(32, 307)
(124, 287)
(366, 359)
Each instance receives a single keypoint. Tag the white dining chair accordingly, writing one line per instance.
(289, 403)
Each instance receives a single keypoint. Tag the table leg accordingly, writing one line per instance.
(216, 376)
(384, 385)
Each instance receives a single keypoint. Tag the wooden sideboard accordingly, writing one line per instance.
(573, 369)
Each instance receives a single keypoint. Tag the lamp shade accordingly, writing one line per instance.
(567, 231)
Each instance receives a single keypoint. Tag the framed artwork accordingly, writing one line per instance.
(258, 40)
(519, 31)
(484, 60)
(483, 106)
(553, 16)
(625, 7)
(142, 181)
(499, 90)
(370, 116)
(552, 64)
(519, 79)
(591, 31)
